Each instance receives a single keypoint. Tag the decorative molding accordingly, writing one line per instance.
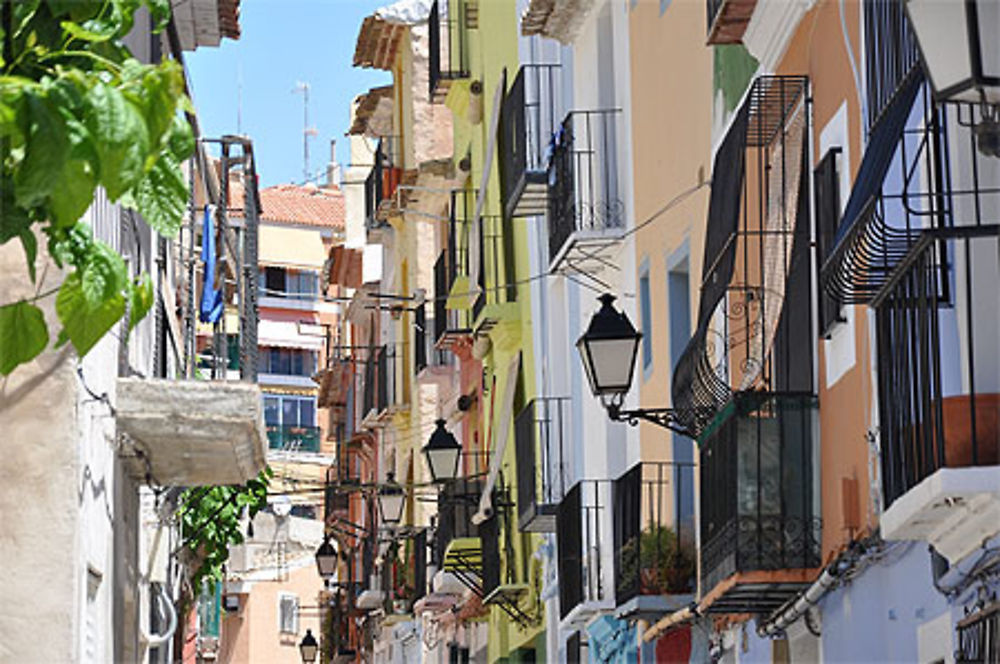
(771, 28)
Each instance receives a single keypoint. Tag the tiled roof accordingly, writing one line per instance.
(295, 204)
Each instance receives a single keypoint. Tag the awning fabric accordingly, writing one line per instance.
(500, 434)
(879, 152)
(285, 334)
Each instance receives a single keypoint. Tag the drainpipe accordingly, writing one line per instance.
(806, 600)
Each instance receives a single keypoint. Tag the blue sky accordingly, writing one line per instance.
(283, 42)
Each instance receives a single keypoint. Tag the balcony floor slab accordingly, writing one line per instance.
(954, 509)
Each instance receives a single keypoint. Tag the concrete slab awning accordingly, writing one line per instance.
(192, 432)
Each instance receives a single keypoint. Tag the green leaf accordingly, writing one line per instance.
(84, 323)
(160, 11)
(23, 334)
(140, 300)
(119, 134)
(161, 197)
(71, 199)
(100, 32)
(30, 244)
(180, 140)
(14, 219)
(46, 149)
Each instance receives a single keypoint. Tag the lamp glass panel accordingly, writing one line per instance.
(989, 39)
(392, 506)
(443, 463)
(309, 652)
(944, 40)
(612, 361)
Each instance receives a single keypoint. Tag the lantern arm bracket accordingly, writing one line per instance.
(668, 418)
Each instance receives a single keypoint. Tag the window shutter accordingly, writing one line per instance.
(826, 180)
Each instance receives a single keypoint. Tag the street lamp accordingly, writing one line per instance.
(961, 52)
(607, 350)
(391, 501)
(326, 558)
(309, 648)
(442, 452)
(959, 44)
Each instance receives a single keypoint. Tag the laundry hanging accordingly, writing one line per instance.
(210, 309)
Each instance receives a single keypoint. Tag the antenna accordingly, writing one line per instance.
(307, 131)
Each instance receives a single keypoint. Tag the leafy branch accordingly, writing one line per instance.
(210, 523)
(77, 111)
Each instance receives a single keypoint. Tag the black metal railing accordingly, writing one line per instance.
(448, 56)
(583, 548)
(758, 498)
(541, 433)
(891, 53)
(369, 383)
(584, 190)
(382, 180)
(754, 321)
(978, 636)
(937, 323)
(420, 339)
(528, 124)
(293, 438)
(457, 503)
(383, 379)
(654, 547)
(496, 280)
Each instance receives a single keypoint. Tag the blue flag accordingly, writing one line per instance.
(211, 297)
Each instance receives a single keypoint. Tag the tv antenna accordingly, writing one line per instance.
(307, 131)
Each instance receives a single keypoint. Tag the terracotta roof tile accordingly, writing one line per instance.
(295, 204)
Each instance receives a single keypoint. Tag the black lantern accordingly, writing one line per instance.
(391, 501)
(442, 452)
(309, 648)
(326, 559)
(608, 349)
(960, 47)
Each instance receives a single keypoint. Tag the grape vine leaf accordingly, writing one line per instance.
(23, 334)
(83, 322)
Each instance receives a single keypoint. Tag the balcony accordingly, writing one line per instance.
(452, 287)
(586, 205)
(497, 291)
(937, 321)
(654, 547)
(427, 358)
(541, 431)
(728, 20)
(582, 521)
(293, 439)
(448, 46)
(977, 635)
(760, 530)
(381, 183)
(192, 432)
(528, 123)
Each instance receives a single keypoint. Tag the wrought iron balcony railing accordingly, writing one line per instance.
(754, 328)
(892, 53)
(293, 438)
(382, 180)
(448, 56)
(979, 636)
(455, 511)
(586, 203)
(937, 321)
(528, 125)
(584, 548)
(541, 431)
(653, 506)
(758, 496)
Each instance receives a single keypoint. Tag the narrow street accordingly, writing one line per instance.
(500, 331)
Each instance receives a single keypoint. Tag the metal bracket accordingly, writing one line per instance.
(668, 418)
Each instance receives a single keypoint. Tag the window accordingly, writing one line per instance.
(646, 314)
(286, 282)
(287, 361)
(288, 614)
(289, 411)
(826, 181)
